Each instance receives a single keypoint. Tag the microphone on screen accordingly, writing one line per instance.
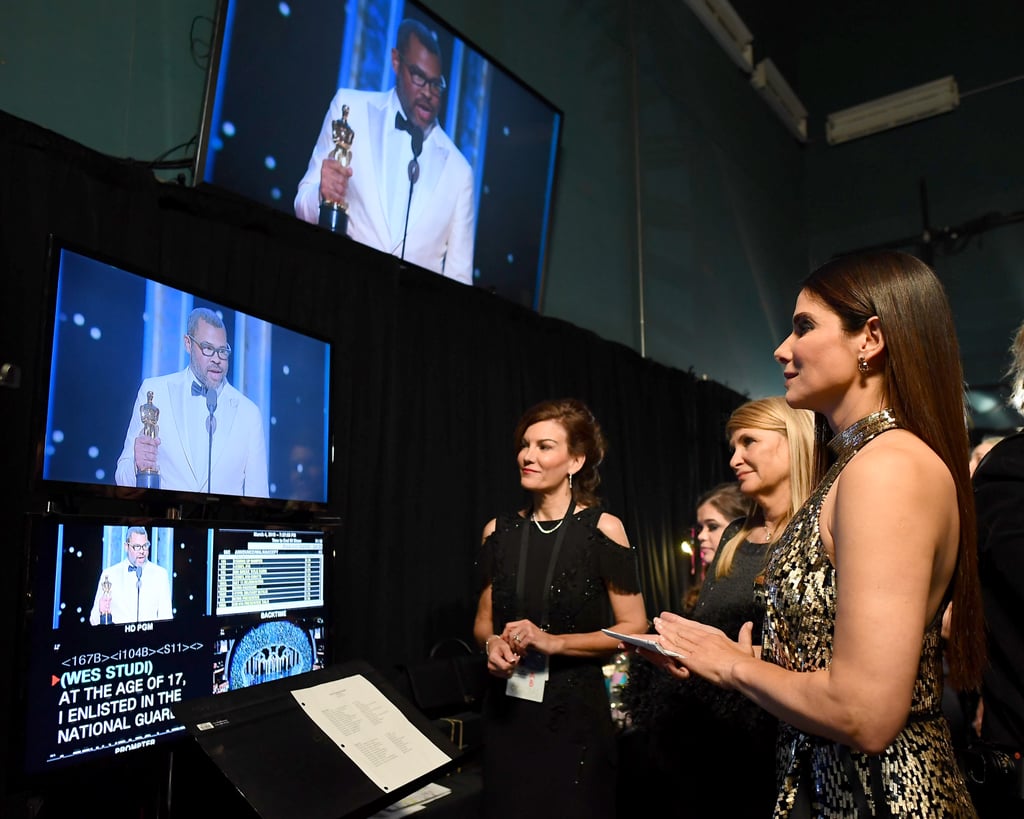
(211, 427)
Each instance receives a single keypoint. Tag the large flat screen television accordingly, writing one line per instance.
(479, 209)
(127, 618)
(159, 394)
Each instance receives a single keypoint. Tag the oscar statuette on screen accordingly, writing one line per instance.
(149, 478)
(334, 215)
(106, 618)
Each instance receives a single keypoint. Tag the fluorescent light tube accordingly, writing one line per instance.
(726, 26)
(772, 86)
(904, 107)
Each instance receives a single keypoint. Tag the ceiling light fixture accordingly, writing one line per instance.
(725, 25)
(902, 108)
(772, 86)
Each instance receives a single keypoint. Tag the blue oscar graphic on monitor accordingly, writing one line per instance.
(270, 651)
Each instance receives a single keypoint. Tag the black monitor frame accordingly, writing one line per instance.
(77, 496)
(499, 259)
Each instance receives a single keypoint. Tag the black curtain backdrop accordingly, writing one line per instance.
(429, 378)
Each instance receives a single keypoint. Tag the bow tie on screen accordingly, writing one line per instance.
(133, 568)
(198, 389)
(402, 124)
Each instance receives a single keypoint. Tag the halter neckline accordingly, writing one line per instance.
(856, 435)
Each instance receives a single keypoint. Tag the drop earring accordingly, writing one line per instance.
(863, 365)
(570, 480)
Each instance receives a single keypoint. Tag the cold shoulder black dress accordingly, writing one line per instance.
(556, 757)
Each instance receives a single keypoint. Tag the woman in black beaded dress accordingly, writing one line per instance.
(856, 586)
(552, 576)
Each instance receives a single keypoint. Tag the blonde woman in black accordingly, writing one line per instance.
(706, 740)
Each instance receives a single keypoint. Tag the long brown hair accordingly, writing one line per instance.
(583, 435)
(923, 383)
(798, 428)
(727, 499)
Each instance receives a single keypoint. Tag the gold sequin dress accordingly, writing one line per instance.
(917, 775)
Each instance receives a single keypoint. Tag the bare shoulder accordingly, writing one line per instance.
(492, 524)
(612, 528)
(900, 448)
(898, 466)
(892, 531)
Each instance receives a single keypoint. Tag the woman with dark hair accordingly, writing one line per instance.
(716, 509)
(553, 574)
(855, 589)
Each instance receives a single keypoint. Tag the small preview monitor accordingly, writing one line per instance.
(131, 617)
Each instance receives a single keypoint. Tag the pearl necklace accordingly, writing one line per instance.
(536, 523)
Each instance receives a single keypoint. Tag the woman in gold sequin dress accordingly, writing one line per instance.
(856, 586)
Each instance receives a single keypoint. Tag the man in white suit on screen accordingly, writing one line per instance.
(408, 189)
(134, 590)
(210, 436)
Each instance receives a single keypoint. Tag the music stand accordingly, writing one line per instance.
(280, 761)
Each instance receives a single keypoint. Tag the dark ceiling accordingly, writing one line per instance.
(842, 53)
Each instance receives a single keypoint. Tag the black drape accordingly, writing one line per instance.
(429, 377)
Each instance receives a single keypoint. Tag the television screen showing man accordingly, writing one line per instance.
(192, 430)
(133, 590)
(404, 185)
